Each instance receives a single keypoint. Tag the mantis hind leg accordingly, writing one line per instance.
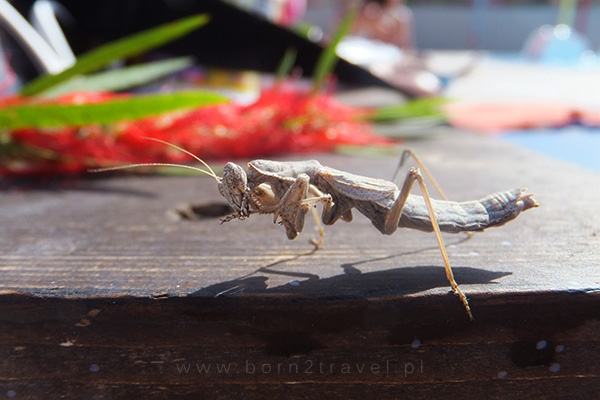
(409, 153)
(391, 224)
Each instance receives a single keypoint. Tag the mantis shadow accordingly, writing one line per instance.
(353, 282)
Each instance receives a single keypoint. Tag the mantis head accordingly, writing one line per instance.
(233, 186)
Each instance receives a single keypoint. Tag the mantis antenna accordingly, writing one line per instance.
(208, 172)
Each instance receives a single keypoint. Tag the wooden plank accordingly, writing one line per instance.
(121, 348)
(114, 235)
(104, 293)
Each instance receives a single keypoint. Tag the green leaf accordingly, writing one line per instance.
(122, 48)
(57, 115)
(328, 58)
(420, 108)
(286, 64)
(120, 79)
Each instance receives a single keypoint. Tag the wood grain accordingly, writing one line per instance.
(105, 295)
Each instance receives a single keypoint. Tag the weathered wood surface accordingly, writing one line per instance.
(106, 295)
(113, 236)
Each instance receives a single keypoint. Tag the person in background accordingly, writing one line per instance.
(388, 21)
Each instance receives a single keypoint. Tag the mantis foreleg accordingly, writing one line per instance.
(293, 205)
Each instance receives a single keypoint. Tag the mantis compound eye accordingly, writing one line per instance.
(234, 185)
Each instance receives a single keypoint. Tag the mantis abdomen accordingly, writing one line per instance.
(477, 215)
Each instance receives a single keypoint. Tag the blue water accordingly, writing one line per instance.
(576, 144)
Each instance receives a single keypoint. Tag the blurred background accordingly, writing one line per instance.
(494, 25)
(514, 67)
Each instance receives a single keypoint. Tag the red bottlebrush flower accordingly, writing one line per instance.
(284, 119)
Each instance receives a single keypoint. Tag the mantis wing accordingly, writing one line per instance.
(357, 187)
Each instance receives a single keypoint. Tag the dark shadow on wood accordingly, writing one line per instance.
(391, 282)
(353, 282)
(195, 212)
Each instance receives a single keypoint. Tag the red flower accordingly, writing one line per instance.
(284, 119)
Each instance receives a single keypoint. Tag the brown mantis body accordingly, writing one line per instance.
(288, 190)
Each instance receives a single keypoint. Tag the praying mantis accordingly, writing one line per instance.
(288, 190)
